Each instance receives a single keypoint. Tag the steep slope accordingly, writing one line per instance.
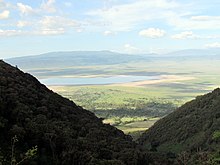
(63, 132)
(189, 128)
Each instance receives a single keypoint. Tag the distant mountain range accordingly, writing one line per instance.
(94, 58)
(74, 58)
(195, 52)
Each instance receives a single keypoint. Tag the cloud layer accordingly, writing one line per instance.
(130, 26)
(152, 33)
(4, 14)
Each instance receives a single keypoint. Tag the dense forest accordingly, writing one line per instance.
(193, 129)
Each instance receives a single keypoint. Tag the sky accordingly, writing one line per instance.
(30, 27)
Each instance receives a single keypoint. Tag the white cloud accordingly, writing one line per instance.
(212, 36)
(58, 21)
(213, 45)
(191, 35)
(10, 33)
(195, 22)
(185, 35)
(79, 30)
(205, 18)
(180, 16)
(109, 33)
(4, 14)
(45, 7)
(125, 17)
(53, 25)
(25, 9)
(48, 25)
(54, 31)
(22, 24)
(152, 33)
(48, 6)
(7, 33)
(4, 5)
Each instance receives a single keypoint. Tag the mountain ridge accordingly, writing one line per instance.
(72, 58)
(93, 58)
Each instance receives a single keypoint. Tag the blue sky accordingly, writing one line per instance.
(127, 26)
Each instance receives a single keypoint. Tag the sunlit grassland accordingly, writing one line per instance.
(134, 126)
(106, 97)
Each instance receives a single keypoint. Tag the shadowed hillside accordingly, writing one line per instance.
(63, 132)
(189, 128)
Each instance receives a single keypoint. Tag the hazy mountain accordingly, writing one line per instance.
(74, 58)
(196, 52)
(95, 58)
(189, 128)
(63, 132)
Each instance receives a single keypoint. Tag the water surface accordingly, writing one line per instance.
(95, 80)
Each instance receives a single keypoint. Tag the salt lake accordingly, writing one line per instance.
(95, 80)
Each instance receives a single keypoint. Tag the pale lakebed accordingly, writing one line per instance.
(96, 80)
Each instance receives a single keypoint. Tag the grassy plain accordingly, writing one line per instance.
(104, 100)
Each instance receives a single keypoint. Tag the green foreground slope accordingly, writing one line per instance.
(190, 128)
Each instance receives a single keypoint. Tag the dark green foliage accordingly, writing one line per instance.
(29, 154)
(189, 128)
(216, 135)
(63, 132)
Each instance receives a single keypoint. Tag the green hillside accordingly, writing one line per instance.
(190, 128)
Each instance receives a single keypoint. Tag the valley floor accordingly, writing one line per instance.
(136, 106)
